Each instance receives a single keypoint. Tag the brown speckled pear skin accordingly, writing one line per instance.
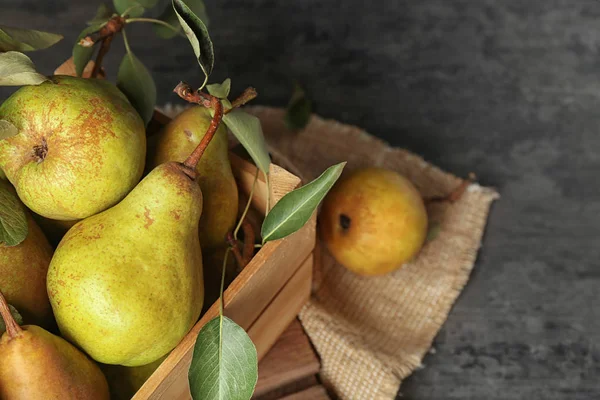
(23, 270)
(34, 364)
(175, 142)
(126, 285)
(80, 149)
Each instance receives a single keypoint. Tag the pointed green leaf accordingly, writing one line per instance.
(247, 129)
(137, 84)
(17, 39)
(13, 221)
(16, 69)
(16, 316)
(197, 34)
(7, 129)
(82, 55)
(170, 17)
(296, 207)
(299, 109)
(103, 14)
(133, 8)
(220, 90)
(224, 364)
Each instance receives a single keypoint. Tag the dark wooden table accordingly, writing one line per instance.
(508, 89)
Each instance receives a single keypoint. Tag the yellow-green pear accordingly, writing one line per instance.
(373, 221)
(23, 270)
(174, 143)
(124, 382)
(34, 364)
(80, 146)
(126, 285)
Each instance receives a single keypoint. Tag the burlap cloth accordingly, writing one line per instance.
(371, 333)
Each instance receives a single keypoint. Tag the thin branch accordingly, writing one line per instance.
(246, 96)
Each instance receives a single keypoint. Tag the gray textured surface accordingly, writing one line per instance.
(508, 89)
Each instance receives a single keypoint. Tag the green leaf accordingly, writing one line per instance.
(224, 364)
(16, 316)
(13, 221)
(133, 8)
(170, 17)
(296, 207)
(299, 110)
(17, 39)
(103, 14)
(220, 90)
(197, 34)
(81, 54)
(7, 129)
(247, 129)
(16, 69)
(434, 230)
(137, 84)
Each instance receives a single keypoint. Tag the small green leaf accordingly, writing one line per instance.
(103, 14)
(296, 207)
(17, 39)
(434, 230)
(7, 129)
(13, 221)
(247, 129)
(16, 316)
(81, 54)
(170, 17)
(16, 69)
(224, 364)
(220, 90)
(197, 34)
(299, 110)
(133, 8)
(137, 84)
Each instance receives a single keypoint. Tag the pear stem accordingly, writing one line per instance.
(246, 96)
(12, 328)
(456, 194)
(184, 91)
(221, 305)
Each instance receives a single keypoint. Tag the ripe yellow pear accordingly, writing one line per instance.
(220, 205)
(373, 221)
(35, 364)
(126, 285)
(23, 270)
(80, 146)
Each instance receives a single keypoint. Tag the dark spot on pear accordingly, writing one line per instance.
(40, 151)
(345, 221)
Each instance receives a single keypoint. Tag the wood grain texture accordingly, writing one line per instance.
(313, 393)
(291, 359)
(507, 89)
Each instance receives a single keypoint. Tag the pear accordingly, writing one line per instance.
(124, 382)
(23, 270)
(80, 147)
(126, 285)
(54, 229)
(174, 143)
(38, 365)
(373, 221)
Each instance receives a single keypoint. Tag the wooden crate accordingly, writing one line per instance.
(263, 299)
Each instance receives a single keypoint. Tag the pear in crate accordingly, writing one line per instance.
(124, 382)
(126, 285)
(23, 270)
(80, 146)
(38, 365)
(175, 142)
